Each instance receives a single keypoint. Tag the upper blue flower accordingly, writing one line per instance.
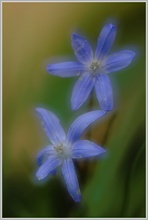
(65, 148)
(92, 68)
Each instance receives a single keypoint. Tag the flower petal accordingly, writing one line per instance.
(44, 154)
(48, 167)
(104, 92)
(65, 69)
(82, 49)
(82, 122)
(51, 126)
(118, 61)
(81, 90)
(105, 41)
(84, 149)
(71, 180)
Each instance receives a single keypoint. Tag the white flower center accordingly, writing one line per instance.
(63, 150)
(94, 66)
(59, 149)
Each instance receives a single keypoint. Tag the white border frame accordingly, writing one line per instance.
(1, 78)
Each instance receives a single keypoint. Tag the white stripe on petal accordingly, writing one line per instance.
(71, 180)
(85, 148)
(82, 90)
(81, 123)
(48, 167)
(81, 48)
(51, 126)
(104, 92)
(65, 69)
(118, 61)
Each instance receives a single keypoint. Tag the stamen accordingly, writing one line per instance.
(94, 66)
(59, 149)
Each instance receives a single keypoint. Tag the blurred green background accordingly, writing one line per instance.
(33, 35)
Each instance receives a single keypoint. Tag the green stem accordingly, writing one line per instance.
(90, 107)
(83, 165)
(109, 127)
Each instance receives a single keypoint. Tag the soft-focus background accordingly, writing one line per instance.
(35, 34)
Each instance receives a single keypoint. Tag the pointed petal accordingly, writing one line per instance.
(84, 149)
(118, 61)
(104, 92)
(105, 41)
(82, 49)
(48, 167)
(44, 154)
(71, 180)
(51, 125)
(81, 90)
(65, 69)
(81, 123)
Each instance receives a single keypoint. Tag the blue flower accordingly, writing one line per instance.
(64, 149)
(93, 69)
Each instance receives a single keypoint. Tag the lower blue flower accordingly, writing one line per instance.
(64, 148)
